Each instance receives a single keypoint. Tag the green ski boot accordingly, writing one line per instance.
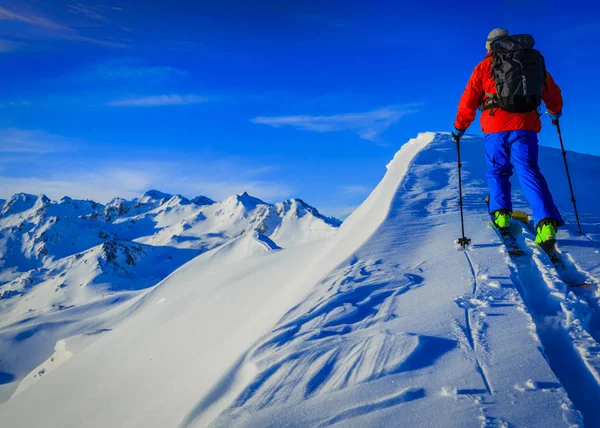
(502, 219)
(546, 233)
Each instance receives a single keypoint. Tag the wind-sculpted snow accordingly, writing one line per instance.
(339, 337)
(446, 329)
(384, 322)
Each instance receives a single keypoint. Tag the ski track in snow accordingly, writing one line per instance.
(472, 332)
(562, 317)
(394, 325)
(349, 332)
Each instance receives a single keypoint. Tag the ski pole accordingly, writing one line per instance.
(463, 241)
(555, 122)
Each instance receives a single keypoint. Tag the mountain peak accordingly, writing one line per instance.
(116, 201)
(202, 200)
(43, 198)
(301, 203)
(245, 198)
(20, 202)
(300, 208)
(86, 205)
(178, 200)
(155, 195)
(23, 197)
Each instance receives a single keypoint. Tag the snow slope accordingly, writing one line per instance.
(70, 268)
(384, 323)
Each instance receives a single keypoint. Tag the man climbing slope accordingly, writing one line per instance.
(508, 87)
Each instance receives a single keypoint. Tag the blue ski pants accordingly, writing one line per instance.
(521, 148)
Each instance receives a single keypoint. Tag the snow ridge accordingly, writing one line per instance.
(384, 320)
(334, 356)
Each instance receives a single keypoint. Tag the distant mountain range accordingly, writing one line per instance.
(62, 254)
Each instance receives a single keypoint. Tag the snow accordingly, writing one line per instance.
(68, 269)
(274, 316)
(60, 355)
(247, 245)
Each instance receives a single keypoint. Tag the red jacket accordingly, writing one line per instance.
(481, 81)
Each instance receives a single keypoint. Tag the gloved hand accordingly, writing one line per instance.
(457, 133)
(555, 116)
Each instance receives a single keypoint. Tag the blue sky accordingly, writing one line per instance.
(282, 99)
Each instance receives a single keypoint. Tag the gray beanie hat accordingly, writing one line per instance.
(495, 34)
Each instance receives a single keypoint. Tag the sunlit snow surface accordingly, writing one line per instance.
(385, 322)
(77, 268)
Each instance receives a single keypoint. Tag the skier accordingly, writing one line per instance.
(508, 87)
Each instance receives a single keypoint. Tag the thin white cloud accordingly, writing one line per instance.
(100, 184)
(368, 126)
(102, 190)
(130, 181)
(8, 46)
(53, 28)
(27, 156)
(114, 43)
(159, 100)
(92, 12)
(129, 69)
(14, 140)
(38, 21)
(55, 189)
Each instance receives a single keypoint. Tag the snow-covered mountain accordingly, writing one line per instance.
(36, 231)
(65, 264)
(383, 321)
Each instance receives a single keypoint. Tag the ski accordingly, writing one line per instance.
(508, 240)
(556, 259)
(554, 255)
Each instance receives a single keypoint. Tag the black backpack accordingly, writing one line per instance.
(519, 72)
